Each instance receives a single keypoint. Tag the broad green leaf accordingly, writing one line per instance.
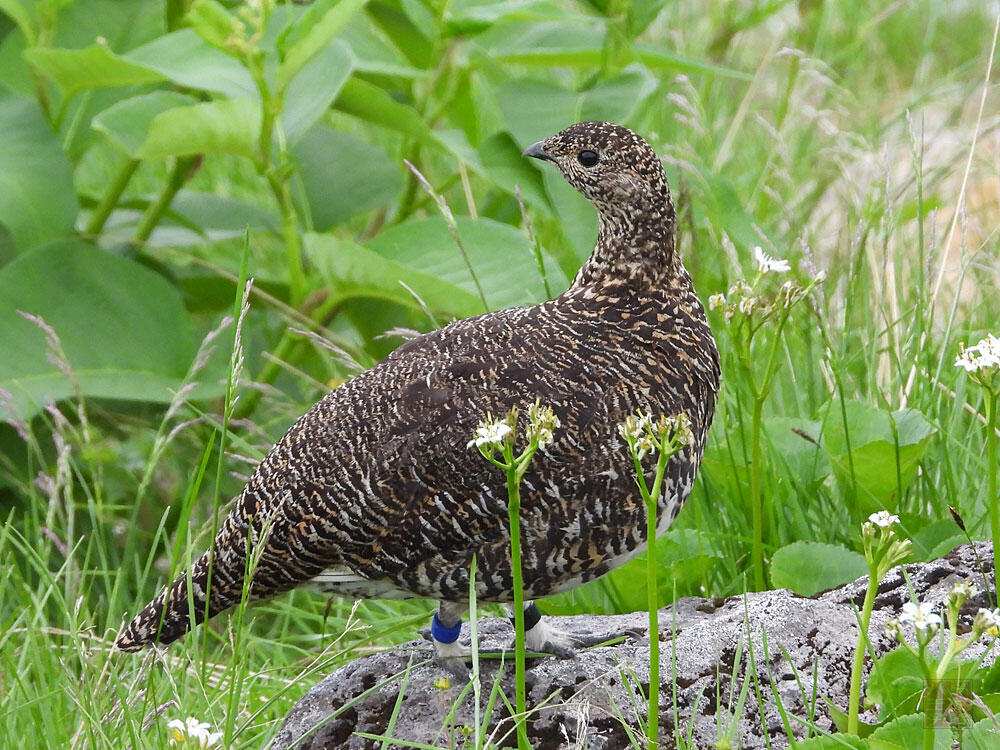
(187, 59)
(123, 328)
(935, 539)
(19, 14)
(96, 66)
(340, 175)
(805, 462)
(907, 733)
(810, 567)
(218, 216)
(983, 735)
(896, 683)
(503, 164)
(535, 109)
(370, 102)
(224, 126)
(313, 90)
(353, 271)
(127, 122)
(318, 35)
(832, 742)
(415, 40)
(501, 256)
(37, 199)
(372, 54)
(877, 451)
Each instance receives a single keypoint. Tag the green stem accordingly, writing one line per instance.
(110, 198)
(756, 491)
(854, 701)
(992, 501)
(514, 517)
(178, 176)
(652, 599)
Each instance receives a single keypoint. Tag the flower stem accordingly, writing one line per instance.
(854, 701)
(514, 517)
(756, 501)
(992, 501)
(652, 600)
(110, 198)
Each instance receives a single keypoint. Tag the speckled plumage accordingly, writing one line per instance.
(374, 492)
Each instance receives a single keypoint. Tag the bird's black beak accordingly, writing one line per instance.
(536, 151)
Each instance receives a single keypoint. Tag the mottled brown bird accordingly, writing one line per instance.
(375, 492)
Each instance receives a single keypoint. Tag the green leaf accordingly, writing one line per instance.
(123, 328)
(907, 733)
(810, 567)
(840, 720)
(879, 451)
(96, 66)
(188, 60)
(503, 164)
(369, 102)
(535, 109)
(501, 256)
(126, 123)
(20, 16)
(313, 90)
(896, 683)
(319, 33)
(211, 22)
(342, 176)
(983, 735)
(832, 742)
(353, 271)
(224, 126)
(37, 199)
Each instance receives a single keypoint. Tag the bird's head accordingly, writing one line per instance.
(620, 173)
(614, 168)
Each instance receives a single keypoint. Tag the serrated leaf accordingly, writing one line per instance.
(134, 341)
(810, 567)
(126, 123)
(224, 126)
(318, 35)
(37, 199)
(907, 733)
(95, 66)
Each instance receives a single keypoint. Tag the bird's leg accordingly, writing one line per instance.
(540, 637)
(446, 626)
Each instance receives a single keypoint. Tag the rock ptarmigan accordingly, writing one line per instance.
(375, 492)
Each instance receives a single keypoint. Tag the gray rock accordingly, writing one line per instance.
(799, 647)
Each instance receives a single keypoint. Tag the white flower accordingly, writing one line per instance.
(981, 356)
(542, 422)
(747, 304)
(636, 425)
(883, 518)
(678, 427)
(193, 732)
(741, 289)
(986, 619)
(921, 616)
(716, 300)
(490, 433)
(766, 264)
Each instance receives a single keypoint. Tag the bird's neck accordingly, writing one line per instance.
(636, 247)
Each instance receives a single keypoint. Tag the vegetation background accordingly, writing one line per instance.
(156, 155)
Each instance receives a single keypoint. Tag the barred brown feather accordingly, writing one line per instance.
(376, 482)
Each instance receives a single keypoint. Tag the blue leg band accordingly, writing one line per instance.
(442, 634)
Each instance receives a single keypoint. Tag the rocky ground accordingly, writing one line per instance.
(797, 648)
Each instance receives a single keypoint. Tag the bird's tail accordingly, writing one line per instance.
(190, 600)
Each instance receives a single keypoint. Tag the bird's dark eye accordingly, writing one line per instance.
(588, 158)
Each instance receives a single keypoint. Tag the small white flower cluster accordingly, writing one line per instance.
(921, 616)
(542, 423)
(980, 358)
(193, 733)
(766, 264)
(883, 518)
(490, 432)
(641, 431)
(987, 621)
